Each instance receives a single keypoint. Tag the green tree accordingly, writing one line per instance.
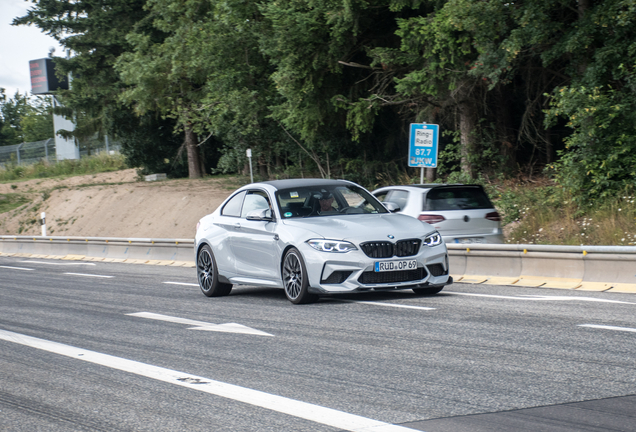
(93, 33)
(169, 74)
(599, 104)
(238, 91)
(149, 142)
(575, 61)
(24, 120)
(38, 124)
(208, 75)
(320, 52)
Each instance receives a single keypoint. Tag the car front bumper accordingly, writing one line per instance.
(331, 273)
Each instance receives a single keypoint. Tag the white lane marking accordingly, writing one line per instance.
(58, 264)
(606, 327)
(541, 298)
(347, 301)
(89, 275)
(17, 268)
(316, 413)
(201, 325)
(181, 283)
(396, 305)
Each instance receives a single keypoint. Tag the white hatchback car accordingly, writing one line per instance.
(461, 213)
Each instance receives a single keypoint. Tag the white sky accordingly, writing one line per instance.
(18, 45)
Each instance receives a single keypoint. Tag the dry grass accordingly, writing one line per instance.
(613, 223)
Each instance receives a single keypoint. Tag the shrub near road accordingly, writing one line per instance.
(546, 214)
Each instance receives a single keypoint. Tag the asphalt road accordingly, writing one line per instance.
(115, 347)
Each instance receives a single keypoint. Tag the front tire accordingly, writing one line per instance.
(295, 280)
(208, 275)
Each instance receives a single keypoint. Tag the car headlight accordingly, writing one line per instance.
(433, 239)
(331, 245)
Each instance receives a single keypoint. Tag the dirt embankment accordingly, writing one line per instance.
(114, 205)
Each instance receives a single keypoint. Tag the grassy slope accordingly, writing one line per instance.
(543, 214)
(11, 201)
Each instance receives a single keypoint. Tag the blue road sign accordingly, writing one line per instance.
(423, 146)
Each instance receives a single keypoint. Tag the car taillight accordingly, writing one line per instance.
(431, 219)
(493, 216)
(198, 225)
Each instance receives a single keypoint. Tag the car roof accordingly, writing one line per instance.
(291, 183)
(432, 186)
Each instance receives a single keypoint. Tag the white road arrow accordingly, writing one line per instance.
(200, 325)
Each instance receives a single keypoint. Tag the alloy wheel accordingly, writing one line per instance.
(292, 275)
(205, 270)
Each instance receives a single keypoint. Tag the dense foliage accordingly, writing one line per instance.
(329, 87)
(24, 119)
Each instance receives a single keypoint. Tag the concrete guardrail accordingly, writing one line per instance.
(584, 268)
(178, 252)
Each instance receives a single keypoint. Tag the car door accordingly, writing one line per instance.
(255, 242)
(228, 221)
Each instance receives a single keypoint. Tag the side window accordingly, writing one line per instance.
(255, 200)
(381, 196)
(233, 206)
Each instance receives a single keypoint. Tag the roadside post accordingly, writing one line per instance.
(249, 156)
(43, 223)
(423, 146)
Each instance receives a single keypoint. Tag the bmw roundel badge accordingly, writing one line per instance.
(391, 236)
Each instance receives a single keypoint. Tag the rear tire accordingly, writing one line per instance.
(428, 290)
(295, 280)
(208, 275)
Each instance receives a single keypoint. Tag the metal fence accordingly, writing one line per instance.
(33, 152)
(94, 146)
(28, 153)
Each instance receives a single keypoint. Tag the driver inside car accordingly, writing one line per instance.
(326, 201)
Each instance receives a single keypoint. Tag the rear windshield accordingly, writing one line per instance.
(457, 198)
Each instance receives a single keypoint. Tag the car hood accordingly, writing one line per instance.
(359, 228)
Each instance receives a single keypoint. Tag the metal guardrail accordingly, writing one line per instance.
(545, 248)
(584, 268)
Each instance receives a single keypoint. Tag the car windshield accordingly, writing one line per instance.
(328, 200)
(457, 198)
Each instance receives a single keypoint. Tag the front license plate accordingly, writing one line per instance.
(386, 266)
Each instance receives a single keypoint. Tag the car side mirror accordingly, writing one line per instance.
(260, 215)
(391, 206)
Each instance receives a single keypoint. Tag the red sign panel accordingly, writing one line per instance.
(43, 79)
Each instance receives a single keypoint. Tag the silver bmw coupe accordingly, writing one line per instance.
(316, 237)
